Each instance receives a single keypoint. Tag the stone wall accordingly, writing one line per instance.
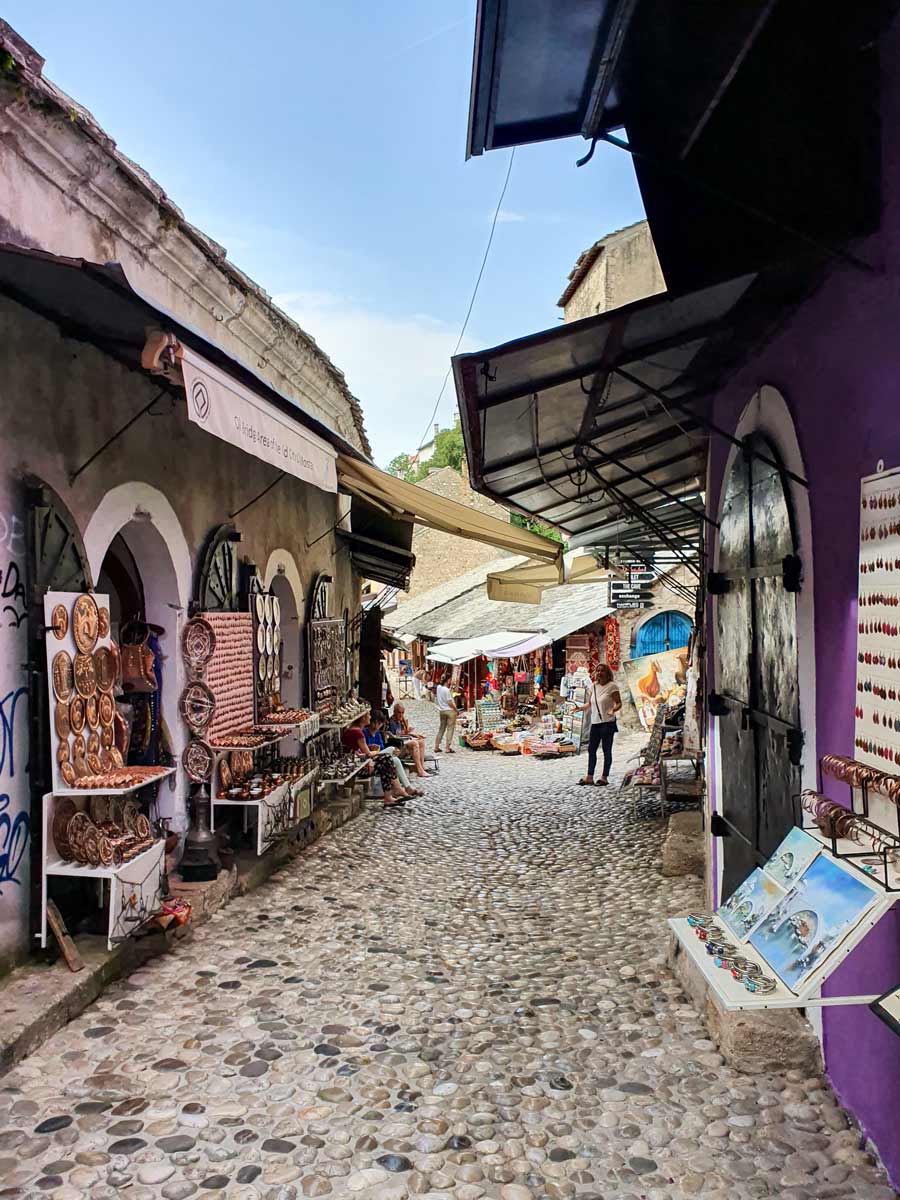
(616, 270)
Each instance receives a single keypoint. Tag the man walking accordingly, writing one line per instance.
(446, 715)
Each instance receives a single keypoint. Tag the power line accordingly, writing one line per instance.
(462, 332)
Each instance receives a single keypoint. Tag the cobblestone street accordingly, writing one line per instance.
(465, 999)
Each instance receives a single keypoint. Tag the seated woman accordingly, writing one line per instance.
(399, 728)
(354, 739)
(375, 741)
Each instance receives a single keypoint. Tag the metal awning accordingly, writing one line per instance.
(600, 427)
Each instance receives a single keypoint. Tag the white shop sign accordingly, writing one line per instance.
(230, 411)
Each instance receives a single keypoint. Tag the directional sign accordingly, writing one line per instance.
(638, 574)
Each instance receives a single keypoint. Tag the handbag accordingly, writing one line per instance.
(138, 666)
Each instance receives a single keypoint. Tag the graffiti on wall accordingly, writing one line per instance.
(12, 582)
(14, 830)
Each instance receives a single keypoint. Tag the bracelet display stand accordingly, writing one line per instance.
(136, 888)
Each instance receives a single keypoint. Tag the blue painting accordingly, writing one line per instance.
(746, 907)
(815, 916)
(792, 857)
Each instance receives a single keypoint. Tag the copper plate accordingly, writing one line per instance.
(106, 736)
(62, 750)
(85, 623)
(92, 846)
(92, 712)
(63, 811)
(105, 666)
(116, 755)
(99, 809)
(67, 771)
(107, 760)
(106, 851)
(198, 642)
(62, 675)
(225, 777)
(79, 749)
(85, 675)
(59, 621)
(93, 743)
(103, 622)
(197, 760)
(95, 766)
(130, 814)
(198, 706)
(106, 709)
(81, 768)
(76, 714)
(142, 827)
(61, 720)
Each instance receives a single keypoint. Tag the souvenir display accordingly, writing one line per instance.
(823, 905)
(85, 623)
(227, 672)
(123, 777)
(62, 676)
(198, 760)
(198, 643)
(327, 666)
(197, 706)
(106, 665)
(877, 730)
(97, 839)
(59, 621)
(242, 739)
(268, 645)
(749, 904)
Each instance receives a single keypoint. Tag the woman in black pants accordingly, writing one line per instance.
(604, 703)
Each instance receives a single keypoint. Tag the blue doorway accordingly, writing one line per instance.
(665, 631)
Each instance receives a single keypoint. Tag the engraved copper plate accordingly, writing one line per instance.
(130, 813)
(103, 622)
(62, 751)
(142, 827)
(79, 748)
(106, 759)
(76, 714)
(95, 766)
(59, 621)
(106, 851)
(85, 675)
(198, 642)
(63, 812)
(92, 846)
(67, 771)
(106, 736)
(81, 768)
(116, 756)
(105, 666)
(106, 709)
(225, 777)
(85, 623)
(92, 712)
(99, 809)
(197, 760)
(198, 706)
(93, 743)
(63, 676)
(61, 720)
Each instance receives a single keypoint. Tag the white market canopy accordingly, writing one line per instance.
(505, 644)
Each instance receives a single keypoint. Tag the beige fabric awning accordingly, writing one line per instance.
(525, 584)
(405, 500)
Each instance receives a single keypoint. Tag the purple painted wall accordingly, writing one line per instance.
(837, 364)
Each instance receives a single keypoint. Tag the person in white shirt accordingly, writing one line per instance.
(446, 716)
(605, 702)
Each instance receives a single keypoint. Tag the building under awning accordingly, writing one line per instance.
(404, 501)
(600, 427)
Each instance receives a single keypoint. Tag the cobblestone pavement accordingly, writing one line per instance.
(465, 1000)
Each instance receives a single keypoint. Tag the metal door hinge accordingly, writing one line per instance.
(718, 707)
(718, 826)
(717, 584)
(795, 746)
(792, 572)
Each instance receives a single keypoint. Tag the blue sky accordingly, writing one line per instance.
(324, 146)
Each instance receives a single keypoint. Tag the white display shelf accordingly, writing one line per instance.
(324, 725)
(138, 881)
(346, 779)
(271, 810)
(730, 992)
(303, 730)
(106, 791)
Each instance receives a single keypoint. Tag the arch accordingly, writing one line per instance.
(145, 520)
(768, 413)
(282, 578)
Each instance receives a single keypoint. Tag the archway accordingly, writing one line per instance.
(282, 578)
(139, 555)
(669, 630)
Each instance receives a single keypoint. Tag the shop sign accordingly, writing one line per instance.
(639, 575)
(230, 411)
(623, 595)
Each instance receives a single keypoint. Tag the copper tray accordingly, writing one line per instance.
(63, 811)
(67, 772)
(103, 622)
(198, 643)
(92, 712)
(61, 720)
(95, 766)
(116, 755)
(59, 621)
(85, 623)
(93, 742)
(62, 750)
(198, 706)
(85, 675)
(76, 714)
(197, 760)
(106, 709)
(106, 666)
(62, 676)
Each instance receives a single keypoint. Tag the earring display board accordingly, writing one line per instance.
(877, 732)
(327, 665)
(229, 673)
(83, 674)
(793, 922)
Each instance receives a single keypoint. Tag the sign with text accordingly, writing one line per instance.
(623, 595)
(230, 411)
(639, 574)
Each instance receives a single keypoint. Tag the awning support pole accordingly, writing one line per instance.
(237, 512)
(115, 437)
(331, 529)
(713, 428)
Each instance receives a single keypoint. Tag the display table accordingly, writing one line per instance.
(136, 888)
(110, 791)
(276, 814)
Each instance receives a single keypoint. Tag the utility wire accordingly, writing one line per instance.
(462, 332)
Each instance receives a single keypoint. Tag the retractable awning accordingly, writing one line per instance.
(403, 500)
(505, 644)
(600, 426)
(525, 584)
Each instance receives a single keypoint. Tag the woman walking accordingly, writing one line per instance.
(604, 703)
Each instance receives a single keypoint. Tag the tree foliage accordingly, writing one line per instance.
(448, 451)
(536, 526)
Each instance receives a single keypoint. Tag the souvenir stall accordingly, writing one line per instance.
(101, 821)
(239, 726)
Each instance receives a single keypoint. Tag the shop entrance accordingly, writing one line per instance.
(291, 647)
(759, 735)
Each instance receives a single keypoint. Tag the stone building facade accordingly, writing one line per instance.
(620, 267)
(164, 486)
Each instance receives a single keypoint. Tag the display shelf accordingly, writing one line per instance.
(325, 725)
(135, 887)
(276, 813)
(220, 750)
(304, 730)
(346, 779)
(847, 852)
(730, 992)
(105, 791)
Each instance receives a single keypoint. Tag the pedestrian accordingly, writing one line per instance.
(605, 702)
(419, 683)
(447, 711)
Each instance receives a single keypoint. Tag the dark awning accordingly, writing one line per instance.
(95, 303)
(379, 544)
(600, 427)
(754, 126)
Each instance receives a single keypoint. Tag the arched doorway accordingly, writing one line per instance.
(757, 582)
(665, 631)
(291, 643)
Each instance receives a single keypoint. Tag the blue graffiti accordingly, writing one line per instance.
(14, 832)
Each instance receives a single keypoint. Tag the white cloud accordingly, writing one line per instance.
(506, 215)
(395, 365)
